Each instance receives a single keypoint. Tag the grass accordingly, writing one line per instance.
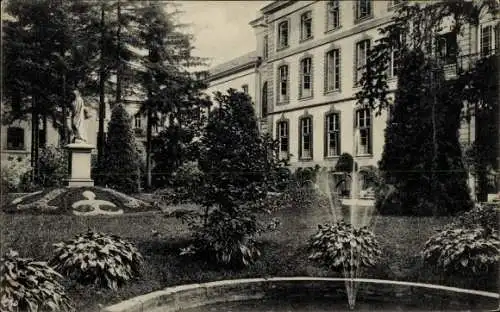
(284, 252)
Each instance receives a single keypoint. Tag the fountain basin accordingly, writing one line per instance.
(264, 293)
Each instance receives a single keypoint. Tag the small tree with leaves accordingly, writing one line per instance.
(120, 155)
(233, 160)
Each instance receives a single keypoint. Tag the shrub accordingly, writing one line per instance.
(186, 181)
(463, 251)
(53, 162)
(12, 173)
(336, 246)
(226, 241)
(485, 215)
(27, 285)
(344, 163)
(96, 258)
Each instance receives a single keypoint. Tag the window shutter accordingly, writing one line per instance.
(300, 138)
(311, 138)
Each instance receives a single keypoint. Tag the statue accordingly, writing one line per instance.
(78, 113)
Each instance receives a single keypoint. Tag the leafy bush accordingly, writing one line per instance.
(27, 285)
(96, 258)
(344, 247)
(226, 241)
(485, 215)
(12, 173)
(463, 250)
(344, 163)
(186, 181)
(53, 163)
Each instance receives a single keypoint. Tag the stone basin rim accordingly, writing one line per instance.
(136, 303)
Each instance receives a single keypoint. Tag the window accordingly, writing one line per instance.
(42, 132)
(283, 35)
(306, 26)
(283, 85)
(15, 138)
(332, 135)
(305, 78)
(333, 17)
(497, 37)
(265, 53)
(486, 40)
(363, 127)
(333, 70)
(245, 88)
(362, 50)
(363, 9)
(393, 64)
(305, 151)
(137, 121)
(264, 100)
(283, 139)
(447, 48)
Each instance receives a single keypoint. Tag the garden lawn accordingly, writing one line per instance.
(284, 252)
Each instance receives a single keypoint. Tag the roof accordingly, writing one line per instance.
(240, 63)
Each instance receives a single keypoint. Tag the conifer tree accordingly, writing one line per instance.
(121, 159)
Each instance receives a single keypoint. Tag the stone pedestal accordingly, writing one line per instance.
(79, 164)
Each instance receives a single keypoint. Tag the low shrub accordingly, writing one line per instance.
(53, 162)
(485, 215)
(28, 285)
(343, 247)
(186, 182)
(463, 250)
(96, 258)
(227, 240)
(13, 172)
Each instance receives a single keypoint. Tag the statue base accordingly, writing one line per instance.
(79, 164)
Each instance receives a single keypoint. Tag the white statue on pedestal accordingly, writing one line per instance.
(78, 113)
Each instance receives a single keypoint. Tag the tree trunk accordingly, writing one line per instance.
(118, 57)
(64, 136)
(34, 138)
(102, 103)
(149, 128)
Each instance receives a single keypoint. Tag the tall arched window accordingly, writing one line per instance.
(264, 100)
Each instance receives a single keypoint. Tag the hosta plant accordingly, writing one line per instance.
(99, 259)
(463, 250)
(343, 247)
(27, 285)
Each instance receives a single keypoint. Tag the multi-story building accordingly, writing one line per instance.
(312, 57)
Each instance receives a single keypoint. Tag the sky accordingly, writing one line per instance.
(221, 28)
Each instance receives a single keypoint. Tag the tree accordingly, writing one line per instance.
(45, 57)
(432, 103)
(120, 154)
(170, 89)
(233, 161)
(427, 184)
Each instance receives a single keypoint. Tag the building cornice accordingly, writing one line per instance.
(231, 71)
(276, 5)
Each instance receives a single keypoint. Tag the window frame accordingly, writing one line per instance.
(281, 135)
(302, 135)
(448, 58)
(336, 73)
(306, 19)
(332, 14)
(359, 70)
(369, 137)
(306, 71)
(336, 132)
(280, 45)
(491, 42)
(282, 99)
(13, 133)
(137, 121)
(357, 13)
(245, 88)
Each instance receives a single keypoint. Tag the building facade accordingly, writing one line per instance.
(312, 55)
